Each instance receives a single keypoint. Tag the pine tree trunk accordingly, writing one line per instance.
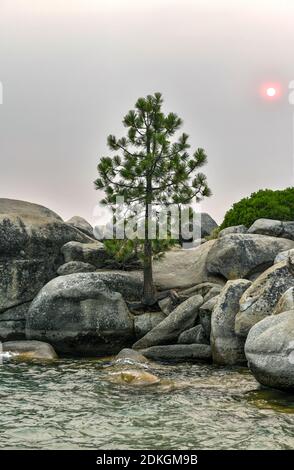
(149, 291)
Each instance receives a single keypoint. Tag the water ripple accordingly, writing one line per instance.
(73, 404)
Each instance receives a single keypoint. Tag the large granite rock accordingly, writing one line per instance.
(263, 295)
(274, 228)
(81, 224)
(201, 226)
(243, 255)
(30, 240)
(205, 312)
(92, 253)
(269, 349)
(73, 267)
(181, 268)
(167, 331)
(128, 284)
(13, 323)
(283, 256)
(226, 346)
(233, 229)
(195, 335)
(79, 315)
(127, 356)
(146, 322)
(178, 352)
(286, 302)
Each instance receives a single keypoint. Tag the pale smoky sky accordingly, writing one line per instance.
(71, 69)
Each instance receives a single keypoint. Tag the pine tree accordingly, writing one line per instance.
(150, 169)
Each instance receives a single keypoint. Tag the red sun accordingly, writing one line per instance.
(271, 91)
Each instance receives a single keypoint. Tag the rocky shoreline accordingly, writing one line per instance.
(231, 302)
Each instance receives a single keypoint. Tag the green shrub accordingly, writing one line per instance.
(266, 203)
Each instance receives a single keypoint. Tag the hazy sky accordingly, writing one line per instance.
(71, 69)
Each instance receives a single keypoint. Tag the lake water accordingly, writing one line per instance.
(74, 404)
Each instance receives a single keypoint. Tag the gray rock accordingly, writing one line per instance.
(79, 315)
(73, 267)
(13, 322)
(274, 228)
(205, 312)
(167, 331)
(288, 230)
(146, 322)
(128, 355)
(195, 335)
(81, 224)
(30, 349)
(93, 253)
(233, 229)
(243, 255)
(283, 256)
(30, 240)
(205, 223)
(286, 302)
(202, 289)
(128, 284)
(167, 305)
(215, 291)
(269, 349)
(226, 347)
(178, 352)
(183, 268)
(262, 297)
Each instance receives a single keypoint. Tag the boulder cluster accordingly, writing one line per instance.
(230, 300)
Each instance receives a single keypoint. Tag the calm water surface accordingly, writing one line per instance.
(75, 404)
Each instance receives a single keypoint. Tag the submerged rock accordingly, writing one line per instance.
(130, 355)
(263, 295)
(243, 255)
(178, 352)
(134, 377)
(29, 349)
(269, 349)
(79, 315)
(226, 346)
(167, 331)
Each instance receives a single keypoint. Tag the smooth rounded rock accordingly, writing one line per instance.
(269, 350)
